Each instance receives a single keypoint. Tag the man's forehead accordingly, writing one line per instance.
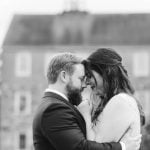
(80, 68)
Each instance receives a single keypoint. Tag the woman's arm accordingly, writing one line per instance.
(85, 109)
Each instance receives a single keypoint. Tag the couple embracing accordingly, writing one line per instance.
(110, 118)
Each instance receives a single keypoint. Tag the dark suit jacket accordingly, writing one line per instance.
(58, 125)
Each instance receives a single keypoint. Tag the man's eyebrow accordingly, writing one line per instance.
(83, 76)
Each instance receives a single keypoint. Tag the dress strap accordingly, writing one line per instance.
(124, 133)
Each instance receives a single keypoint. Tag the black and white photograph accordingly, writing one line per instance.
(74, 75)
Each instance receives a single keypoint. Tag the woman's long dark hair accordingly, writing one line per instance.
(108, 64)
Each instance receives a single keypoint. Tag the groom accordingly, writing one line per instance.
(57, 124)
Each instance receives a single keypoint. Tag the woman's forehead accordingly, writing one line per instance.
(96, 79)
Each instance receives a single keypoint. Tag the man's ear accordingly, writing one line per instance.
(64, 76)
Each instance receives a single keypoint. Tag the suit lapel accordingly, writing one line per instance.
(78, 115)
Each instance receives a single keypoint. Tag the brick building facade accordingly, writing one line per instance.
(30, 43)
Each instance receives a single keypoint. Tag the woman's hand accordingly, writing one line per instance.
(85, 108)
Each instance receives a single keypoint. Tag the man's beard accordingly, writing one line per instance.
(73, 94)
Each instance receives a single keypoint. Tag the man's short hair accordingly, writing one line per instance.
(62, 61)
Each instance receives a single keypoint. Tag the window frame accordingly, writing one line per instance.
(17, 102)
(23, 72)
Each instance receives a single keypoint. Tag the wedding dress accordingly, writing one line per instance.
(120, 115)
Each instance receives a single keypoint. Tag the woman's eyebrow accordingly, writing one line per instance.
(95, 81)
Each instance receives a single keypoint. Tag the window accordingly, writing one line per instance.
(23, 139)
(144, 99)
(23, 64)
(22, 102)
(141, 64)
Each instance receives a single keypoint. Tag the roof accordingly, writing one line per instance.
(79, 29)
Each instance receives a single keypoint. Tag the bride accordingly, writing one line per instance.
(111, 111)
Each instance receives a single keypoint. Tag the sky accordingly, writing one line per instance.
(10, 7)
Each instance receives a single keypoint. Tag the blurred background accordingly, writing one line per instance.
(31, 32)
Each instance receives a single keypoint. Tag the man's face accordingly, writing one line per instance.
(76, 84)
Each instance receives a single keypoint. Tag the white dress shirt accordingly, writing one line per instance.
(57, 92)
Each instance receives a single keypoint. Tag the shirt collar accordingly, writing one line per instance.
(57, 92)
